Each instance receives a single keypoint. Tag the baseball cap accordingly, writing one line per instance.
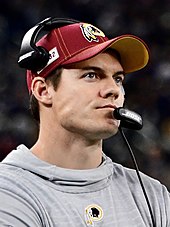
(81, 41)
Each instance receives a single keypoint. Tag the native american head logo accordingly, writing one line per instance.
(93, 213)
(91, 33)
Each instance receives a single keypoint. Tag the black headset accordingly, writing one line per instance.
(34, 57)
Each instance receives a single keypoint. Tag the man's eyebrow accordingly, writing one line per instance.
(119, 73)
(98, 69)
(94, 68)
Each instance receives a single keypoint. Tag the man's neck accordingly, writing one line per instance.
(69, 152)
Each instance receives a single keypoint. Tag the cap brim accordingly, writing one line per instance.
(133, 51)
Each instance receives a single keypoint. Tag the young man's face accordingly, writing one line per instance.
(88, 93)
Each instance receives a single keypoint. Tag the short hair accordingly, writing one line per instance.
(54, 78)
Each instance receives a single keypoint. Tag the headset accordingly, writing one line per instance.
(35, 58)
(132, 120)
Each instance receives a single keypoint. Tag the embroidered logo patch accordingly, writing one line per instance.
(91, 33)
(93, 213)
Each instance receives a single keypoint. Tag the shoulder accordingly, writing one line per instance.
(157, 193)
(131, 177)
(18, 204)
(13, 182)
(14, 178)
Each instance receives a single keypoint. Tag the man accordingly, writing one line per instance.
(65, 179)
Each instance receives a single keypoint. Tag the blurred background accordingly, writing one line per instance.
(147, 91)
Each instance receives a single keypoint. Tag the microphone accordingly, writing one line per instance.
(131, 120)
(128, 119)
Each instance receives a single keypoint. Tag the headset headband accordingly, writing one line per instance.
(34, 57)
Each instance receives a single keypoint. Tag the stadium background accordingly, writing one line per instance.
(147, 91)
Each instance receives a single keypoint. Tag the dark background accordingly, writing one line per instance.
(147, 91)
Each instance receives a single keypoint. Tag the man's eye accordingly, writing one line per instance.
(91, 76)
(119, 79)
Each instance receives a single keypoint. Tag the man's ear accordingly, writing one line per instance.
(40, 89)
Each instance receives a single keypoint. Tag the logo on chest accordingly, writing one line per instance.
(93, 213)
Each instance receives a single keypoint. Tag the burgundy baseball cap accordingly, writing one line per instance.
(81, 41)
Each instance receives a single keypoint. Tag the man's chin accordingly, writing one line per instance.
(110, 134)
(105, 134)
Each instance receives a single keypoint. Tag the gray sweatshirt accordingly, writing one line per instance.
(35, 193)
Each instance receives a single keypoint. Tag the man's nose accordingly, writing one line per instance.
(111, 90)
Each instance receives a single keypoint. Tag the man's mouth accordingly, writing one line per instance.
(107, 106)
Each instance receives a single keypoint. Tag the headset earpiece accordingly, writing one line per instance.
(34, 57)
(37, 60)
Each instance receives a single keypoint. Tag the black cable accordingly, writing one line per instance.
(138, 174)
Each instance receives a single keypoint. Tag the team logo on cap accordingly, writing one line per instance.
(91, 33)
(93, 213)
